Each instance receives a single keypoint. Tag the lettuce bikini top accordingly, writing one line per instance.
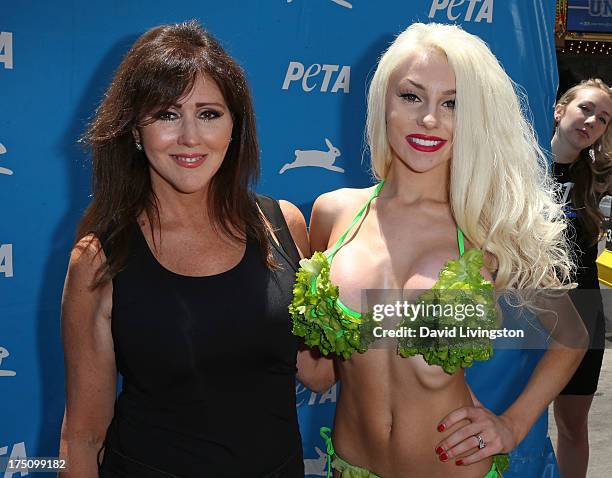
(320, 317)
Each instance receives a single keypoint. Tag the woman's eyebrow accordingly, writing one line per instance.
(421, 87)
(209, 103)
(199, 105)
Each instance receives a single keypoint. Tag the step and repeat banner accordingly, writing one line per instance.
(308, 63)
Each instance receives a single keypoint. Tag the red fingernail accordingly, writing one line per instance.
(443, 457)
(439, 450)
(441, 427)
(459, 462)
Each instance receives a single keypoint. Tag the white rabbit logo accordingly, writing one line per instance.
(4, 170)
(342, 3)
(5, 373)
(315, 158)
(316, 466)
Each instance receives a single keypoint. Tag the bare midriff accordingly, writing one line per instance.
(388, 413)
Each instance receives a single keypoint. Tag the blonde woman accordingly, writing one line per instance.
(582, 151)
(461, 181)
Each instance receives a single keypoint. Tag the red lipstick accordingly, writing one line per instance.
(425, 143)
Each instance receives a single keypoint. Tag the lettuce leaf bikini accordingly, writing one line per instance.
(320, 317)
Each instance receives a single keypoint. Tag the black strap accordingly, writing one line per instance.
(273, 212)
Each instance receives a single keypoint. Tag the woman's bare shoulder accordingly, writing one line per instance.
(86, 259)
(88, 247)
(335, 203)
(333, 208)
(87, 256)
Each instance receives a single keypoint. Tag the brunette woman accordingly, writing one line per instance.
(177, 280)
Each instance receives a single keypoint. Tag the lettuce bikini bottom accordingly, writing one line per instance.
(351, 471)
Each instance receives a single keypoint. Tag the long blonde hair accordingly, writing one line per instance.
(501, 194)
(591, 174)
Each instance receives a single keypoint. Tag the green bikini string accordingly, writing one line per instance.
(340, 241)
(460, 242)
(330, 256)
(324, 432)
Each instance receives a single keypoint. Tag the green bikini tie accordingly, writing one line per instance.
(460, 242)
(325, 434)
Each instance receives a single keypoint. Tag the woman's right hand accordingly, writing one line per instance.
(89, 361)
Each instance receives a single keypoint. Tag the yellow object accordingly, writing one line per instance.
(604, 267)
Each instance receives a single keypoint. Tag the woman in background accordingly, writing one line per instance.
(582, 154)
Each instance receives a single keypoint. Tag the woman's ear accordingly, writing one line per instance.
(559, 112)
(136, 134)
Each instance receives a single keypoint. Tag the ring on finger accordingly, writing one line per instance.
(481, 442)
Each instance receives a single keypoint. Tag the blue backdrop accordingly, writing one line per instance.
(308, 62)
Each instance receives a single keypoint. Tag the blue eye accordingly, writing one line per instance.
(450, 104)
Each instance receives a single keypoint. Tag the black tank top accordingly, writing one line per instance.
(208, 366)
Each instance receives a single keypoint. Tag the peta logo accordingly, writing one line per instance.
(315, 158)
(318, 77)
(5, 373)
(6, 260)
(600, 8)
(302, 392)
(6, 171)
(456, 8)
(342, 3)
(316, 466)
(6, 49)
(18, 452)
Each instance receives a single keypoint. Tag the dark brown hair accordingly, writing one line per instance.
(160, 67)
(592, 172)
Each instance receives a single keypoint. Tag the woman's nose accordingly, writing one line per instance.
(188, 134)
(590, 120)
(429, 119)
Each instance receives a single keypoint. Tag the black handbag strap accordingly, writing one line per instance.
(274, 214)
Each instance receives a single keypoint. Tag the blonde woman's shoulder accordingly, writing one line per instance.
(331, 208)
(337, 201)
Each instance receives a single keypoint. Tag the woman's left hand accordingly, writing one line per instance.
(496, 433)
